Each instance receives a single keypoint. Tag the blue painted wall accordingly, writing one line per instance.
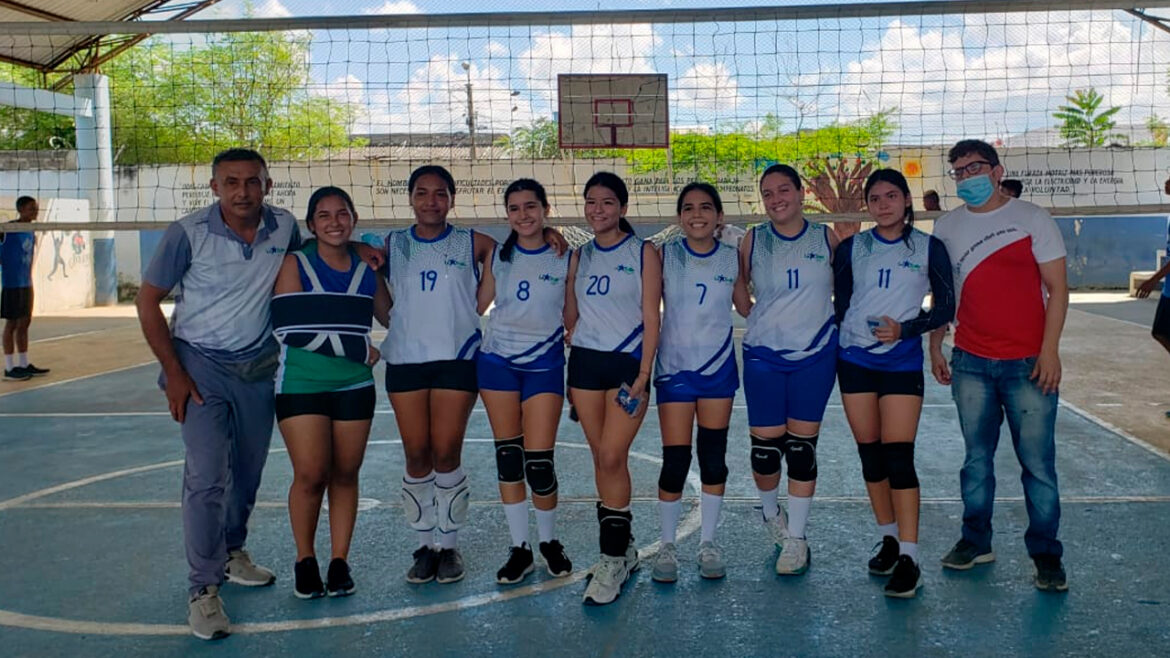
(1102, 251)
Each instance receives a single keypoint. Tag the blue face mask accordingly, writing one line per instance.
(975, 191)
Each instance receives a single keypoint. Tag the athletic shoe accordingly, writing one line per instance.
(35, 371)
(632, 559)
(609, 574)
(1049, 575)
(906, 581)
(665, 568)
(794, 557)
(518, 566)
(241, 570)
(426, 564)
(308, 579)
(450, 569)
(778, 528)
(555, 560)
(206, 616)
(965, 555)
(17, 374)
(338, 582)
(711, 563)
(886, 559)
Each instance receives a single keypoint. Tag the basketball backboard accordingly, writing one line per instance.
(613, 110)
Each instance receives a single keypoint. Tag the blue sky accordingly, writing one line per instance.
(990, 76)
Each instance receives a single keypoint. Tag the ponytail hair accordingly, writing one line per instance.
(895, 178)
(624, 224)
(520, 185)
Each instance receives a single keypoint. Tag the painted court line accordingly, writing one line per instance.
(1115, 429)
(26, 389)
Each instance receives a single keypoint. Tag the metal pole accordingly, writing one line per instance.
(470, 117)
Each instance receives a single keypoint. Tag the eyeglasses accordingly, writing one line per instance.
(970, 169)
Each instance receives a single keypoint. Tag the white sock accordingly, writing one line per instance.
(798, 515)
(711, 505)
(9, 361)
(449, 539)
(669, 510)
(769, 502)
(546, 521)
(425, 537)
(909, 548)
(22, 359)
(517, 515)
(888, 530)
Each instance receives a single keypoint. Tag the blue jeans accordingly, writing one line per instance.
(986, 390)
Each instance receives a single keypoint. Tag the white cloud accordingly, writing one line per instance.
(706, 86)
(346, 89)
(398, 7)
(587, 49)
(497, 49)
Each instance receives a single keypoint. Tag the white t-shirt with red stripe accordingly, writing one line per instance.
(999, 292)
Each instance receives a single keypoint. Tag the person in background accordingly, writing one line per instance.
(1011, 187)
(16, 299)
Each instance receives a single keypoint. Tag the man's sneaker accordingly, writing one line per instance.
(518, 566)
(966, 555)
(906, 580)
(206, 616)
(35, 371)
(778, 528)
(665, 568)
(17, 374)
(426, 564)
(1049, 576)
(450, 569)
(241, 570)
(609, 574)
(794, 557)
(307, 575)
(555, 560)
(711, 563)
(338, 582)
(886, 559)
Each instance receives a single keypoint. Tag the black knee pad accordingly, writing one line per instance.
(766, 455)
(711, 446)
(676, 463)
(541, 472)
(873, 461)
(510, 460)
(615, 531)
(900, 462)
(801, 454)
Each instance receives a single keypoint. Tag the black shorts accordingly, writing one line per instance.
(853, 378)
(594, 370)
(351, 404)
(1161, 326)
(16, 303)
(456, 375)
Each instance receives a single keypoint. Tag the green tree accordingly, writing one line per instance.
(1083, 125)
(1159, 130)
(30, 129)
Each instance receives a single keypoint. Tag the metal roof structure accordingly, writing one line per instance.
(72, 53)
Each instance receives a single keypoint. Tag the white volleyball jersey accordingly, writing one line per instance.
(526, 324)
(433, 285)
(696, 325)
(792, 281)
(608, 289)
(889, 278)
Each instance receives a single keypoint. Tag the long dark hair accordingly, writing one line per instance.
(895, 178)
(520, 185)
(705, 188)
(441, 172)
(324, 193)
(615, 184)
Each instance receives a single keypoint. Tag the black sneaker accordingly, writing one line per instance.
(17, 374)
(308, 579)
(450, 569)
(555, 560)
(426, 563)
(338, 581)
(883, 563)
(35, 371)
(518, 566)
(906, 580)
(966, 555)
(1049, 575)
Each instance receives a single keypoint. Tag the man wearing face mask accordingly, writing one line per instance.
(1012, 292)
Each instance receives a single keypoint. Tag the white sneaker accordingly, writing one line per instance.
(665, 565)
(241, 570)
(794, 557)
(609, 574)
(633, 562)
(778, 528)
(711, 563)
(206, 616)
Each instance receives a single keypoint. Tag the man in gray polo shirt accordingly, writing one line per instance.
(218, 359)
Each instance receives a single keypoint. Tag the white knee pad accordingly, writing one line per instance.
(418, 503)
(453, 503)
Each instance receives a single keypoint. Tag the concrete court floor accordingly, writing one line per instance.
(92, 560)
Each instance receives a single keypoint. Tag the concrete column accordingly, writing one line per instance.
(95, 164)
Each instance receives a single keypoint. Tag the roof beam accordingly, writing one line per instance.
(32, 11)
(1156, 21)
(43, 100)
